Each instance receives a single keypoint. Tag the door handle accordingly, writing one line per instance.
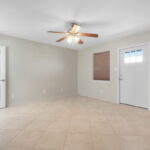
(120, 78)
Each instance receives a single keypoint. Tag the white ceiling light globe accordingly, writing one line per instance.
(76, 39)
(70, 39)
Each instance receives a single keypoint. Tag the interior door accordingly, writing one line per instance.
(2, 77)
(134, 76)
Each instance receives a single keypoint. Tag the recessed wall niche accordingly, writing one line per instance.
(101, 66)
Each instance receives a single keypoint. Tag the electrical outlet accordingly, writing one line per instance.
(13, 95)
(61, 90)
(44, 91)
(115, 68)
(100, 91)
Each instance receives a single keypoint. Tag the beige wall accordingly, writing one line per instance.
(104, 90)
(32, 67)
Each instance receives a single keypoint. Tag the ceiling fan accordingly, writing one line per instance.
(73, 34)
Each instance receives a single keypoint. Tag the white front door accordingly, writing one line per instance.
(2, 77)
(134, 76)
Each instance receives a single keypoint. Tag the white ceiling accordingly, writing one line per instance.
(30, 19)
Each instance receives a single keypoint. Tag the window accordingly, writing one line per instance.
(133, 56)
(102, 66)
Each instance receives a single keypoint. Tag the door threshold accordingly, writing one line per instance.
(134, 106)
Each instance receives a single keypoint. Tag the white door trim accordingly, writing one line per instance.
(3, 93)
(118, 70)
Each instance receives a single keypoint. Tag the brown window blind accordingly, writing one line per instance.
(102, 66)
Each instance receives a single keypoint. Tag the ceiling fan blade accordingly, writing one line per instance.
(57, 32)
(88, 34)
(63, 38)
(80, 41)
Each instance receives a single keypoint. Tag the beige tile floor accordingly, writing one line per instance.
(75, 123)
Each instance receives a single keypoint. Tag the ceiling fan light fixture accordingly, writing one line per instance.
(73, 35)
(73, 39)
(76, 39)
(70, 39)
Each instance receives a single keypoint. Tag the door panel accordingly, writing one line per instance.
(134, 76)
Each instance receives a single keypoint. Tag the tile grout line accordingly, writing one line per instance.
(68, 132)
(90, 128)
(19, 130)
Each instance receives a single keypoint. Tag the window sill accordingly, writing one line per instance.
(101, 81)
